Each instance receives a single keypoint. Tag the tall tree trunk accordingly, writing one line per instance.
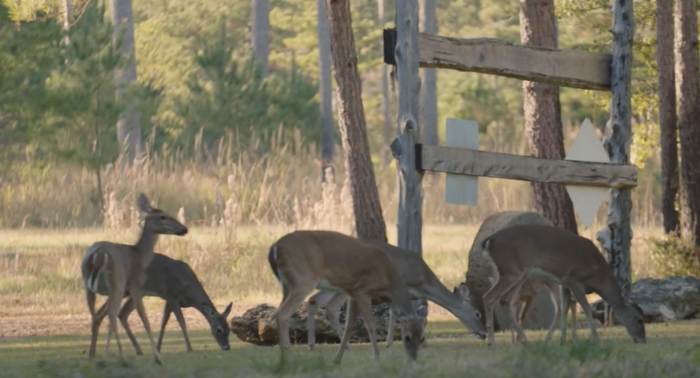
(325, 88)
(261, 33)
(386, 102)
(67, 17)
(428, 20)
(543, 115)
(667, 114)
(687, 81)
(129, 123)
(369, 221)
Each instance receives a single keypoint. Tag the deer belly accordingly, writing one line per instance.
(539, 274)
(324, 285)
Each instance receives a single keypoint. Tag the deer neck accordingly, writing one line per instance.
(146, 244)
(401, 303)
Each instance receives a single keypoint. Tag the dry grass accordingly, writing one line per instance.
(41, 291)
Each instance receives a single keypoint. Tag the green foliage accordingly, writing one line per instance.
(673, 255)
(228, 94)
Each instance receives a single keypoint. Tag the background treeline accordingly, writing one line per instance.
(234, 142)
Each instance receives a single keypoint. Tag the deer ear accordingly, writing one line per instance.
(208, 310)
(422, 311)
(492, 280)
(463, 291)
(227, 310)
(144, 203)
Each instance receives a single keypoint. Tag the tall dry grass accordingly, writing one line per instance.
(266, 182)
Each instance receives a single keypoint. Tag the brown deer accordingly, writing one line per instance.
(304, 261)
(118, 270)
(552, 254)
(422, 283)
(175, 282)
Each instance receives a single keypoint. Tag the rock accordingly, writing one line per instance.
(256, 326)
(671, 298)
(541, 312)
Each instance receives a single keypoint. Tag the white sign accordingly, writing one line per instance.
(587, 147)
(461, 189)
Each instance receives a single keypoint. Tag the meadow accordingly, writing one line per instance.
(236, 202)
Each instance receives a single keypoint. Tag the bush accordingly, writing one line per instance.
(674, 256)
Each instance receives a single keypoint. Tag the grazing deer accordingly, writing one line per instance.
(326, 260)
(422, 283)
(176, 283)
(526, 295)
(117, 270)
(553, 254)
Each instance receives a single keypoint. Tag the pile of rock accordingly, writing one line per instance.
(256, 326)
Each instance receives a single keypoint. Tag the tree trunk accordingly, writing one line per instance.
(369, 221)
(428, 20)
(407, 53)
(261, 33)
(325, 88)
(686, 61)
(543, 115)
(616, 236)
(386, 102)
(129, 123)
(667, 114)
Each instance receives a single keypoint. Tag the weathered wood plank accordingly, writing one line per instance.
(526, 168)
(616, 237)
(405, 51)
(567, 68)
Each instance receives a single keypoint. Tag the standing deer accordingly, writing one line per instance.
(176, 283)
(550, 253)
(117, 270)
(422, 283)
(327, 260)
(526, 295)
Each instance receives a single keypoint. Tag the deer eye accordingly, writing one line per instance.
(219, 331)
(477, 315)
(407, 339)
(162, 217)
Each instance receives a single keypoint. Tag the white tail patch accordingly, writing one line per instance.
(93, 280)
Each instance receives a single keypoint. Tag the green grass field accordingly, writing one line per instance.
(44, 323)
(672, 350)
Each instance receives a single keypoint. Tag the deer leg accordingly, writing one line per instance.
(572, 304)
(492, 297)
(138, 303)
(96, 321)
(177, 310)
(113, 304)
(350, 321)
(555, 302)
(512, 297)
(364, 304)
(291, 301)
(580, 295)
(123, 318)
(390, 329)
(564, 311)
(333, 314)
(317, 300)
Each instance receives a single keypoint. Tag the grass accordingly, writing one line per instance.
(40, 271)
(672, 350)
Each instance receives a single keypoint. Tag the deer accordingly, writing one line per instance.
(175, 282)
(422, 284)
(552, 254)
(526, 295)
(305, 260)
(119, 270)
